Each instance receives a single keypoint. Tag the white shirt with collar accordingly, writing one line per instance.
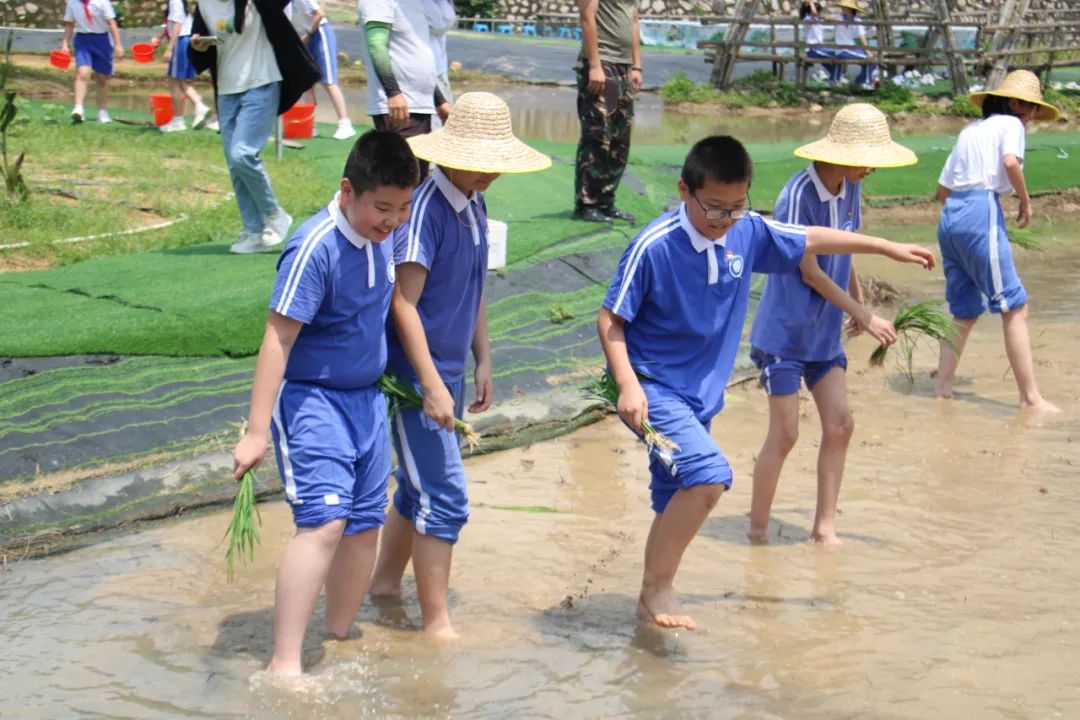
(702, 244)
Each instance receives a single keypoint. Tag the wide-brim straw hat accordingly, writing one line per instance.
(850, 5)
(1022, 85)
(478, 137)
(859, 137)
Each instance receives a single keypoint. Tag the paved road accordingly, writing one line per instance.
(534, 61)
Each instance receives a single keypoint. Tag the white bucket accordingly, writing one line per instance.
(496, 244)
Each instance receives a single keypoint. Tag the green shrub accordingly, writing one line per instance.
(892, 98)
(678, 88)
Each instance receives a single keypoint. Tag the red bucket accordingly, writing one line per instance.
(162, 106)
(142, 52)
(60, 59)
(299, 121)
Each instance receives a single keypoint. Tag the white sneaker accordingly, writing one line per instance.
(276, 228)
(201, 113)
(77, 114)
(103, 117)
(174, 125)
(213, 125)
(250, 242)
(345, 130)
(314, 131)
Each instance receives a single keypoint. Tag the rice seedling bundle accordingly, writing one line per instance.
(403, 394)
(243, 532)
(913, 323)
(604, 390)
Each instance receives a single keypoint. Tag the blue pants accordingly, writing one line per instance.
(180, 66)
(247, 119)
(323, 47)
(333, 453)
(976, 256)
(430, 478)
(697, 461)
(825, 53)
(94, 50)
(867, 74)
(783, 377)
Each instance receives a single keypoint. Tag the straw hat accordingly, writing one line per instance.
(858, 137)
(1022, 85)
(850, 5)
(478, 137)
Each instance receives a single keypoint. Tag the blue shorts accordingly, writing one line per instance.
(697, 461)
(333, 452)
(783, 377)
(323, 47)
(180, 66)
(430, 477)
(95, 50)
(976, 256)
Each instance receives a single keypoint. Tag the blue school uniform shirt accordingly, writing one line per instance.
(684, 298)
(339, 285)
(447, 235)
(793, 321)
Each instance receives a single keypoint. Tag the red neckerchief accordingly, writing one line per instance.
(86, 8)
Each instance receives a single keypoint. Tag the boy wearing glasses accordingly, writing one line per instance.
(671, 325)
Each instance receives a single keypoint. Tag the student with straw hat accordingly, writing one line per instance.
(987, 162)
(796, 334)
(438, 316)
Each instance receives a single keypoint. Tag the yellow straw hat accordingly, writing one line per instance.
(850, 5)
(1022, 85)
(478, 137)
(858, 137)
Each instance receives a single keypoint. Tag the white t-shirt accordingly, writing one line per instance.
(813, 32)
(849, 33)
(411, 56)
(977, 160)
(244, 60)
(440, 18)
(301, 12)
(178, 14)
(101, 12)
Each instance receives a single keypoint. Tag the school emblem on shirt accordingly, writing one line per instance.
(391, 272)
(734, 264)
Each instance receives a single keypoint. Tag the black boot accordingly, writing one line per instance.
(591, 213)
(617, 214)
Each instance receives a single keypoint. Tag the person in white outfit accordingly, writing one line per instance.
(315, 31)
(441, 19)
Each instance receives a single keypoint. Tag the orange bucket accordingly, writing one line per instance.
(299, 121)
(161, 104)
(60, 59)
(142, 52)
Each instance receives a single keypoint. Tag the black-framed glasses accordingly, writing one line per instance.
(722, 213)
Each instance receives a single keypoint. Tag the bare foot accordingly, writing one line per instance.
(283, 670)
(661, 607)
(943, 391)
(441, 631)
(758, 537)
(382, 589)
(1039, 405)
(827, 538)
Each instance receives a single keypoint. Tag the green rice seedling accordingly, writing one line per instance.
(603, 389)
(402, 393)
(243, 532)
(914, 322)
(1025, 238)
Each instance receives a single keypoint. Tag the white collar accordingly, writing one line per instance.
(342, 223)
(700, 242)
(823, 193)
(457, 199)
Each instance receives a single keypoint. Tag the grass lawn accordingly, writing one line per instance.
(177, 292)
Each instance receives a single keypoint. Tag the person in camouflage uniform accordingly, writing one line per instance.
(609, 74)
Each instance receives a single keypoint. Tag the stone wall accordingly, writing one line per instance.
(50, 13)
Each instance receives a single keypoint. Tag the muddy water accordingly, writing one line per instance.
(953, 595)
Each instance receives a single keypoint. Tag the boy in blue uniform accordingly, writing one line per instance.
(323, 350)
(798, 326)
(674, 314)
(438, 315)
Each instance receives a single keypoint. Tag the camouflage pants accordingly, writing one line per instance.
(606, 121)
